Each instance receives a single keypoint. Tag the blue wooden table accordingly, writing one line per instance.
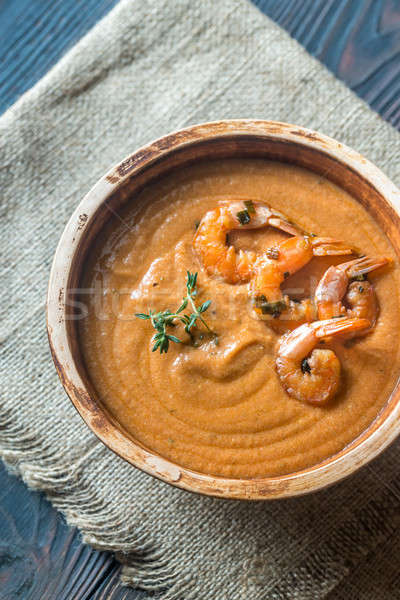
(41, 558)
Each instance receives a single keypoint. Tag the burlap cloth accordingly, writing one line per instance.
(148, 68)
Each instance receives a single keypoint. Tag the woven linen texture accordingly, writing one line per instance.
(148, 68)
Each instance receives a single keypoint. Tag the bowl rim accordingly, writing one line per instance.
(364, 448)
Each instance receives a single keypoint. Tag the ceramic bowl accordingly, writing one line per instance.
(244, 138)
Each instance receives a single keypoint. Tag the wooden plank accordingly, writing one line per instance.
(358, 40)
(41, 558)
(35, 34)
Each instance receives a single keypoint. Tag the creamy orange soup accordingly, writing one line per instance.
(221, 409)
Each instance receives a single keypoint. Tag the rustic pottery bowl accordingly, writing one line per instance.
(245, 138)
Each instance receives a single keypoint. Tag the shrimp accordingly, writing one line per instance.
(277, 264)
(337, 295)
(210, 241)
(308, 373)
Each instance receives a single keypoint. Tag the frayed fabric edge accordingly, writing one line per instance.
(143, 566)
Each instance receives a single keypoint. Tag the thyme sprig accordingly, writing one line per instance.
(163, 319)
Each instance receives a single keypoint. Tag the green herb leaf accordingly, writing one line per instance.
(183, 305)
(163, 319)
(250, 207)
(269, 308)
(243, 217)
(204, 306)
(191, 280)
(191, 322)
(362, 277)
(164, 345)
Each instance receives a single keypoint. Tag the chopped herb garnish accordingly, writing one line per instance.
(243, 217)
(269, 308)
(162, 320)
(362, 277)
(360, 289)
(272, 253)
(286, 274)
(250, 207)
(305, 366)
(260, 300)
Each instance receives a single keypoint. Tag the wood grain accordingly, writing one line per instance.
(41, 558)
(358, 40)
(35, 34)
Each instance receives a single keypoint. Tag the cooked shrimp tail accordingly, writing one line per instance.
(307, 373)
(279, 222)
(325, 246)
(364, 265)
(336, 327)
(343, 290)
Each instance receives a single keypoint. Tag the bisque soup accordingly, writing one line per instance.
(243, 392)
